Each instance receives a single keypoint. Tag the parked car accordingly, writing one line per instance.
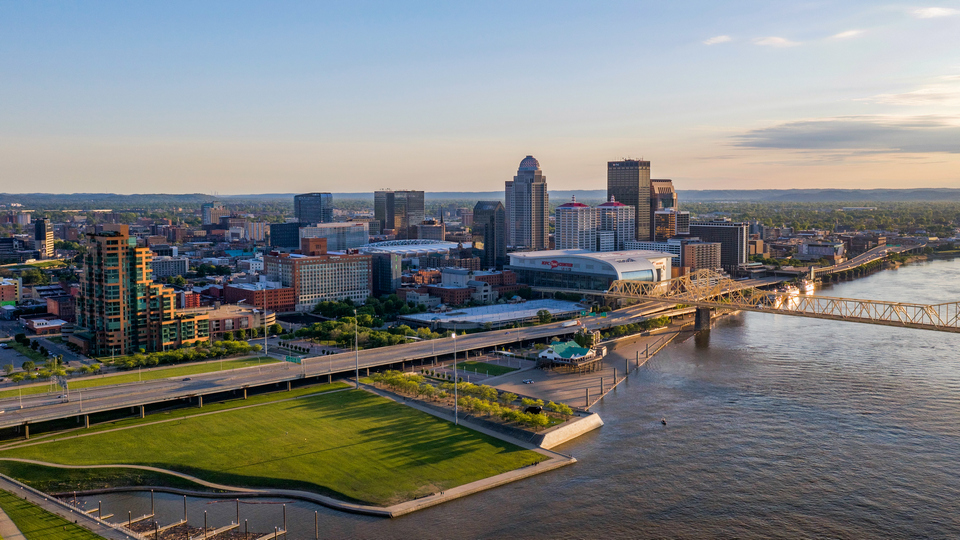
(528, 381)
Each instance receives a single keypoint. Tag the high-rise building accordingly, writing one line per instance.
(401, 211)
(432, 230)
(256, 230)
(313, 207)
(527, 208)
(285, 235)
(120, 310)
(669, 223)
(662, 197)
(618, 218)
(732, 237)
(340, 236)
(211, 212)
(628, 181)
(43, 237)
(316, 278)
(387, 272)
(466, 216)
(576, 226)
(490, 222)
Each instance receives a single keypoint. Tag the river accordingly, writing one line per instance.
(777, 426)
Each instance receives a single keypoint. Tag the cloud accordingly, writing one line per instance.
(847, 35)
(933, 12)
(717, 39)
(860, 135)
(775, 42)
(939, 94)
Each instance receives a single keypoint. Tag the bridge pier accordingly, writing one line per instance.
(704, 316)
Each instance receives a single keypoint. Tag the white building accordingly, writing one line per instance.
(527, 207)
(576, 226)
(618, 218)
(164, 267)
(578, 269)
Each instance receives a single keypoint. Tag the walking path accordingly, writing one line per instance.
(8, 529)
(62, 509)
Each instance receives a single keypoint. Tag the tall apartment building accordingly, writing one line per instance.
(211, 212)
(339, 236)
(316, 278)
(120, 310)
(43, 237)
(528, 208)
(732, 237)
(669, 223)
(313, 207)
(401, 211)
(615, 217)
(256, 231)
(576, 226)
(629, 182)
(490, 221)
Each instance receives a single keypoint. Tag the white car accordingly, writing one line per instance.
(528, 381)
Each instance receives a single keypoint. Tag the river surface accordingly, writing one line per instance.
(777, 426)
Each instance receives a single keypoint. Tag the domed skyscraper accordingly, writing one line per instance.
(528, 208)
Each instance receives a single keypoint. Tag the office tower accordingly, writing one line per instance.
(43, 237)
(669, 223)
(490, 222)
(120, 309)
(576, 226)
(285, 235)
(528, 208)
(313, 207)
(387, 272)
(466, 216)
(618, 218)
(432, 230)
(401, 211)
(629, 182)
(732, 237)
(211, 212)
(662, 197)
(339, 236)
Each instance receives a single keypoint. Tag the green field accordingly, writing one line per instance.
(483, 367)
(27, 351)
(146, 375)
(37, 524)
(351, 445)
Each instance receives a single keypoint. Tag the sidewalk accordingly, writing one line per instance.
(8, 529)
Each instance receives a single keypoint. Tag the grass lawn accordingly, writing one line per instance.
(147, 375)
(37, 524)
(352, 445)
(484, 367)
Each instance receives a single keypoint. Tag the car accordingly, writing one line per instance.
(528, 381)
(187, 379)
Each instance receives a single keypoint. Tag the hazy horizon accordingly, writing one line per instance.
(234, 97)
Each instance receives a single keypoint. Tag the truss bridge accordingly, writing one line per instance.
(707, 290)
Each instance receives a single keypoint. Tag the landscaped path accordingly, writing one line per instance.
(8, 529)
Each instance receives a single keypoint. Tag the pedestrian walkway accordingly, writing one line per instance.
(8, 529)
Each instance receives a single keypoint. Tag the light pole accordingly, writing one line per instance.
(456, 386)
(356, 344)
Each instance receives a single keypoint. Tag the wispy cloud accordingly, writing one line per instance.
(717, 39)
(933, 12)
(774, 41)
(945, 92)
(860, 135)
(847, 35)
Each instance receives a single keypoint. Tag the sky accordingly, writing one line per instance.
(274, 97)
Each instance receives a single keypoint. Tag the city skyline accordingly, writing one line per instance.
(238, 98)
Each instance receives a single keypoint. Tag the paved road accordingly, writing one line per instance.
(48, 407)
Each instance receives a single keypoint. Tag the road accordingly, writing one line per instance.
(38, 408)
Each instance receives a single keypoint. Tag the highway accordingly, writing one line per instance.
(45, 407)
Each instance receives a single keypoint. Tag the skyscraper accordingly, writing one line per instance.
(618, 218)
(662, 197)
(402, 211)
(629, 182)
(43, 237)
(490, 222)
(528, 208)
(313, 207)
(211, 212)
(120, 309)
(576, 226)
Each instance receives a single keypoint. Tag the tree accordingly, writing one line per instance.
(179, 281)
(17, 377)
(43, 350)
(544, 316)
(8, 368)
(20, 338)
(275, 329)
(34, 344)
(507, 398)
(228, 336)
(28, 365)
(241, 334)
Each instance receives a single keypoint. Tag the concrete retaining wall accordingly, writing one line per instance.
(568, 431)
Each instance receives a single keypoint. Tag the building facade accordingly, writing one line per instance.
(400, 211)
(732, 237)
(322, 277)
(285, 235)
(164, 267)
(576, 226)
(211, 212)
(489, 220)
(120, 309)
(339, 236)
(588, 270)
(527, 208)
(43, 237)
(670, 223)
(263, 295)
(313, 207)
(628, 181)
(615, 217)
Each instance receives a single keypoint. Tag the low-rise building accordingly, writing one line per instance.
(316, 278)
(270, 295)
(164, 267)
(588, 270)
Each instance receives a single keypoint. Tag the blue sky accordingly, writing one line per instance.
(241, 97)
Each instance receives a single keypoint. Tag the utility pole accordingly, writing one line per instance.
(456, 383)
(356, 344)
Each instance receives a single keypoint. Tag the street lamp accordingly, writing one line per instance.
(356, 344)
(456, 386)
